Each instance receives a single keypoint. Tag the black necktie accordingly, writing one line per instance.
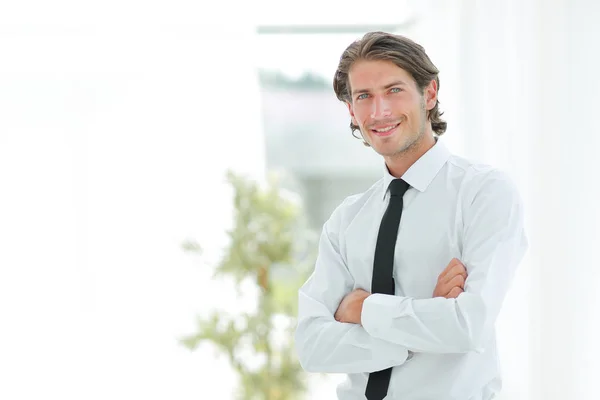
(383, 268)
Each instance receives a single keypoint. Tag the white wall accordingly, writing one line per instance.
(117, 123)
(119, 119)
(528, 87)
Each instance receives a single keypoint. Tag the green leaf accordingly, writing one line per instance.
(269, 245)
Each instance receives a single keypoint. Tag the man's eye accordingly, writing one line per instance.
(362, 96)
(396, 90)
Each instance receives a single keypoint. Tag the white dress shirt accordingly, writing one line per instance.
(440, 348)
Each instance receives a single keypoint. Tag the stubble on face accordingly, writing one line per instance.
(414, 140)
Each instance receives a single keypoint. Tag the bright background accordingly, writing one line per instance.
(118, 120)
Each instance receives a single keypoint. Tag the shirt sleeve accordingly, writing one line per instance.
(494, 243)
(324, 344)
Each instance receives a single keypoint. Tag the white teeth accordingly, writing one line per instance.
(389, 128)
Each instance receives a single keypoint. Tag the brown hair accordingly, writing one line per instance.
(400, 50)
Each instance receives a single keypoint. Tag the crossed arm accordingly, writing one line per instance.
(331, 338)
(450, 283)
(348, 331)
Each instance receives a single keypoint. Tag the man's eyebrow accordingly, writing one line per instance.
(395, 83)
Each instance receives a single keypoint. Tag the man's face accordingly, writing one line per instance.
(388, 107)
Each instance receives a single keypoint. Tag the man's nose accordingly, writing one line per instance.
(380, 107)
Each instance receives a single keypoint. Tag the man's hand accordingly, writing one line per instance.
(451, 281)
(350, 308)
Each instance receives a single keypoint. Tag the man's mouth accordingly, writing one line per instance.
(385, 130)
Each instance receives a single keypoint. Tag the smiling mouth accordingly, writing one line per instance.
(386, 131)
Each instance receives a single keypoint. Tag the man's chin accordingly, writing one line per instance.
(389, 150)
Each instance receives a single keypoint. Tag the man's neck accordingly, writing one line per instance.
(400, 163)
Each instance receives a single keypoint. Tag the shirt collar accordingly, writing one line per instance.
(422, 172)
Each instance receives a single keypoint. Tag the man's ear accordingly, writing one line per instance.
(431, 95)
(351, 111)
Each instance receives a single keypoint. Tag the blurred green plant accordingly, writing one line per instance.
(270, 245)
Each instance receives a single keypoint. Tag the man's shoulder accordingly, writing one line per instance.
(478, 173)
(352, 204)
(482, 179)
(468, 165)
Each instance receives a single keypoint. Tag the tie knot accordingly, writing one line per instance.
(398, 187)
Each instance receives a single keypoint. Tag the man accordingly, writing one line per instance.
(411, 274)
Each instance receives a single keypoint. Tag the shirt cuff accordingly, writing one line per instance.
(373, 317)
(381, 351)
(375, 322)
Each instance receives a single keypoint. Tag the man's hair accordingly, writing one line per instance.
(400, 50)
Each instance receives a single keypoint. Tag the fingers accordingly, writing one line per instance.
(454, 261)
(453, 269)
(454, 293)
(445, 288)
(457, 270)
(452, 264)
(457, 281)
(451, 282)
